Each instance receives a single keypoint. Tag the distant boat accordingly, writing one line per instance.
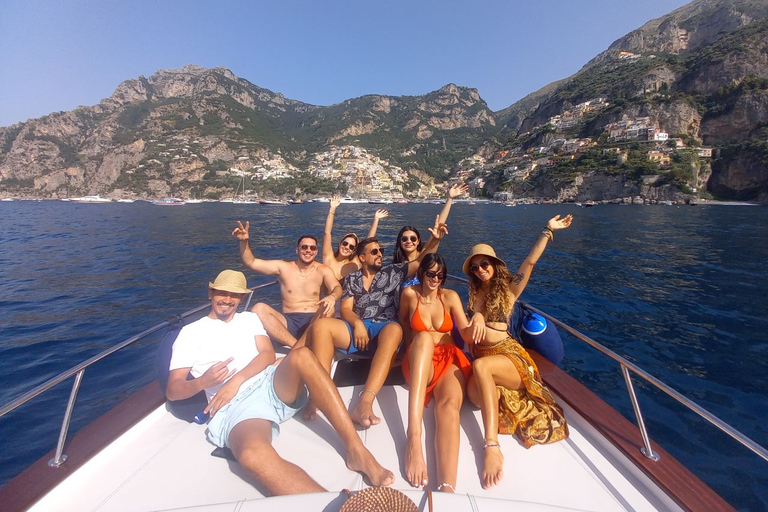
(273, 202)
(589, 204)
(125, 201)
(6, 199)
(90, 199)
(380, 201)
(194, 201)
(349, 200)
(295, 201)
(401, 201)
(321, 200)
(169, 201)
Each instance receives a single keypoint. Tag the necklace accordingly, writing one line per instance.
(303, 275)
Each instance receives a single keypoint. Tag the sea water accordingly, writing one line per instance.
(680, 291)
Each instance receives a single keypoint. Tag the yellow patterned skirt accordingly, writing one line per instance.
(531, 411)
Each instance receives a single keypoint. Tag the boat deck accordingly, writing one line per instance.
(164, 463)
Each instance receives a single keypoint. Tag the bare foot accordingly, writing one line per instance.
(363, 461)
(310, 410)
(363, 415)
(493, 467)
(415, 467)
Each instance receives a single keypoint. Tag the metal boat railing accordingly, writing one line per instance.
(626, 366)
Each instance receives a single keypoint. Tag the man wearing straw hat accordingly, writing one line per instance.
(250, 394)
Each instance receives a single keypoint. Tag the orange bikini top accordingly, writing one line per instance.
(417, 324)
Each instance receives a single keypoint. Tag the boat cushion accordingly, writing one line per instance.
(189, 409)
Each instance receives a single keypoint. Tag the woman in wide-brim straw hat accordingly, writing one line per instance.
(521, 404)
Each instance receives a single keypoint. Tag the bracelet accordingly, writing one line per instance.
(548, 233)
(492, 444)
(368, 390)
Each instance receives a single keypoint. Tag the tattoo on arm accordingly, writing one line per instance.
(518, 278)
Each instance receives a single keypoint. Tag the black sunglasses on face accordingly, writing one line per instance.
(375, 251)
(344, 243)
(483, 264)
(304, 247)
(413, 238)
(432, 274)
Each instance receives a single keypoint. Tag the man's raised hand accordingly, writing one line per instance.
(242, 232)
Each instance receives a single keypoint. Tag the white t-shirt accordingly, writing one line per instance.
(208, 341)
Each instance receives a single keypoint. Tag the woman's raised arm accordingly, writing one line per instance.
(327, 236)
(520, 279)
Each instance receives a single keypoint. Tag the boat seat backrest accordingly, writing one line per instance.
(190, 409)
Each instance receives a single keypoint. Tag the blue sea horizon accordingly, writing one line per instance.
(677, 290)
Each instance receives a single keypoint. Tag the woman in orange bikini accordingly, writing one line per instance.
(505, 382)
(434, 367)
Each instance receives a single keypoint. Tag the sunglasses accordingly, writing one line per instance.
(432, 274)
(413, 238)
(483, 264)
(375, 251)
(344, 243)
(304, 247)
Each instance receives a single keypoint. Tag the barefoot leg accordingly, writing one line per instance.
(449, 395)
(421, 371)
(323, 337)
(251, 443)
(300, 368)
(388, 340)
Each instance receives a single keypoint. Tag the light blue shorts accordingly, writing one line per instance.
(257, 401)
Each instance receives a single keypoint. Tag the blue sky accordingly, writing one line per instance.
(56, 55)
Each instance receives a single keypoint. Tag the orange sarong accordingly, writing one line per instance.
(443, 357)
(531, 411)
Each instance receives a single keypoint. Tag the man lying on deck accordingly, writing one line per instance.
(249, 392)
(369, 322)
(300, 283)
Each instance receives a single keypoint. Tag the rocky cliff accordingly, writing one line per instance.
(700, 72)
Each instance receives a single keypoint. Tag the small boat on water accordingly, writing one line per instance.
(589, 204)
(140, 456)
(273, 202)
(169, 201)
(350, 200)
(125, 201)
(90, 199)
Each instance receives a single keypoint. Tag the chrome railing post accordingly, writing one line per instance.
(60, 458)
(645, 450)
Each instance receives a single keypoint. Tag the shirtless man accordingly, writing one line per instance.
(249, 394)
(300, 283)
(369, 319)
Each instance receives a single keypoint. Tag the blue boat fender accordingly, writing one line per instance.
(539, 335)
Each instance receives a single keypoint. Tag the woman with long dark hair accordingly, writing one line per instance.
(408, 244)
(342, 260)
(505, 382)
(434, 367)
